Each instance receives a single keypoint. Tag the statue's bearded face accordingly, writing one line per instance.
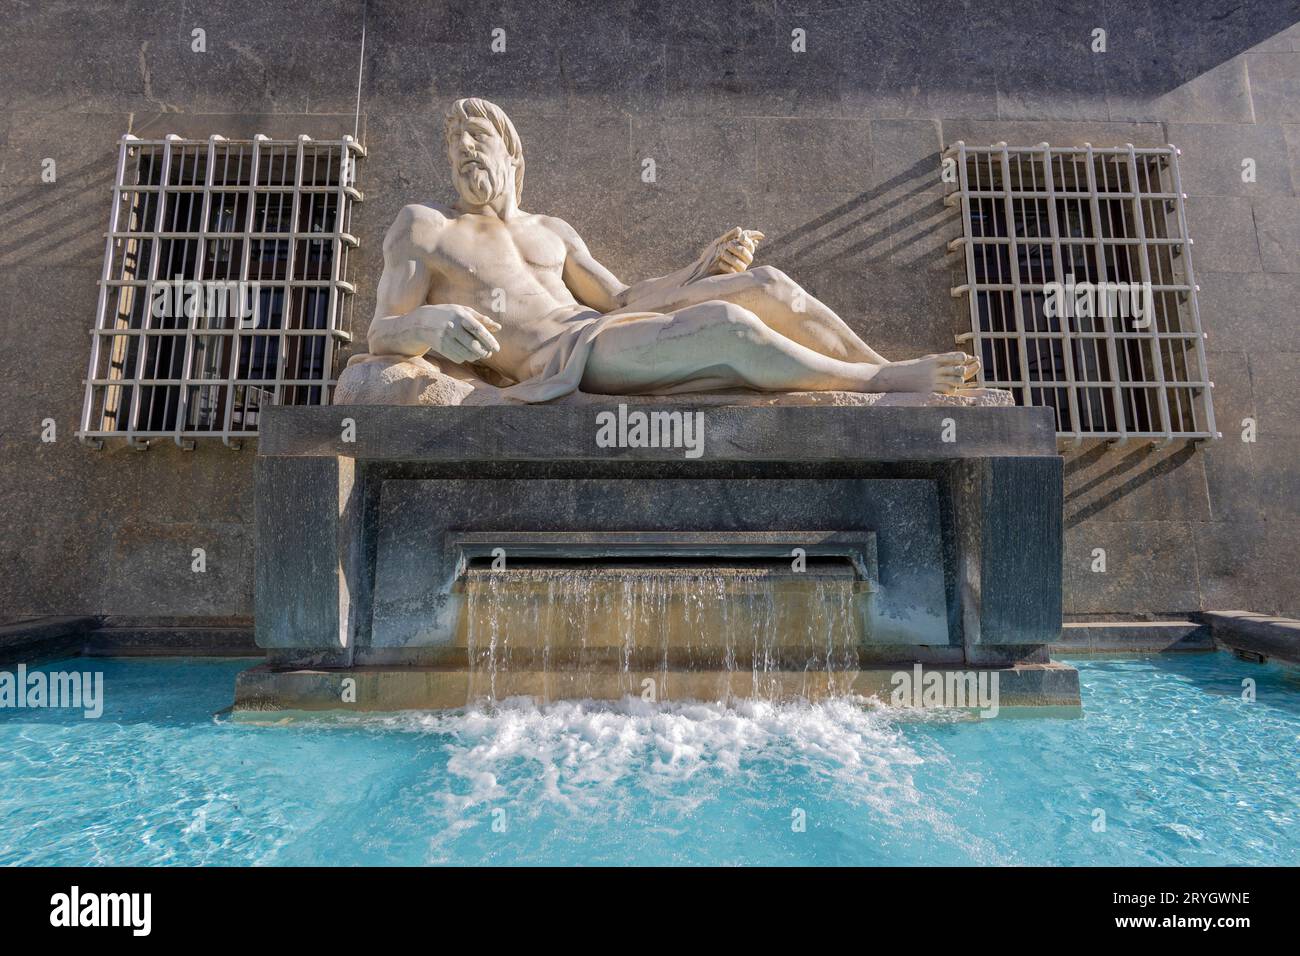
(480, 162)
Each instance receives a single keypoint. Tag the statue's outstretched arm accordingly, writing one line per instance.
(731, 252)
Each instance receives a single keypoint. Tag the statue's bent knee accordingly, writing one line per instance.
(770, 275)
(736, 318)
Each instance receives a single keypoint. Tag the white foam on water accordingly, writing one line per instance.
(602, 760)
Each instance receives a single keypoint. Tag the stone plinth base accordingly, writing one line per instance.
(933, 525)
(391, 380)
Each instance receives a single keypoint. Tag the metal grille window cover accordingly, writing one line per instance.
(1043, 223)
(199, 228)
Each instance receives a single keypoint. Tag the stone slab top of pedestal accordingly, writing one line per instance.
(744, 427)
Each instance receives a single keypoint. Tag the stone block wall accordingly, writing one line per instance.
(832, 152)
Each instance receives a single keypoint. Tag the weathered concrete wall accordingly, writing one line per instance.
(742, 131)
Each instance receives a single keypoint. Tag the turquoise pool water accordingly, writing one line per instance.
(1184, 770)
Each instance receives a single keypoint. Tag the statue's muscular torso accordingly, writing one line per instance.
(471, 257)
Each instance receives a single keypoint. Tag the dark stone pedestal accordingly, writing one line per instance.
(368, 515)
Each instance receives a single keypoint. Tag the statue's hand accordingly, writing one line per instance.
(463, 335)
(733, 251)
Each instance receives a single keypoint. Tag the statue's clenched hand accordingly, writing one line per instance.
(733, 251)
(462, 334)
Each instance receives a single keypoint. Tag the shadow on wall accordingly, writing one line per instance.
(880, 226)
(45, 226)
(1102, 477)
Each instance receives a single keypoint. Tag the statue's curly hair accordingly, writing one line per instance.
(463, 109)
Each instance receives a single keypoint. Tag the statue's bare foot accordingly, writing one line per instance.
(943, 373)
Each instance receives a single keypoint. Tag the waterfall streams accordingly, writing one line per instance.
(704, 632)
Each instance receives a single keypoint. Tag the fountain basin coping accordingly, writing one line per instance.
(263, 693)
(930, 428)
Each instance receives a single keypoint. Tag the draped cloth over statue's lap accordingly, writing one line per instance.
(557, 368)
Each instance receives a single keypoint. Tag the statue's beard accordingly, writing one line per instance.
(479, 185)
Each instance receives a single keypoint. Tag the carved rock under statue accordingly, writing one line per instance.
(396, 380)
(566, 328)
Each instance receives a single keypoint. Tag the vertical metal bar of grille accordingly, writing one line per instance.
(198, 319)
(155, 248)
(1153, 332)
(1186, 238)
(963, 176)
(341, 291)
(336, 265)
(236, 336)
(1094, 208)
(1013, 264)
(101, 309)
(295, 236)
(1067, 339)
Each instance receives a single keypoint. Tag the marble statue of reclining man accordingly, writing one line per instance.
(518, 299)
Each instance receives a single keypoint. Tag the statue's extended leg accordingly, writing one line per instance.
(720, 344)
(783, 306)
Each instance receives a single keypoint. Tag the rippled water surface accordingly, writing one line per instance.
(1183, 769)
